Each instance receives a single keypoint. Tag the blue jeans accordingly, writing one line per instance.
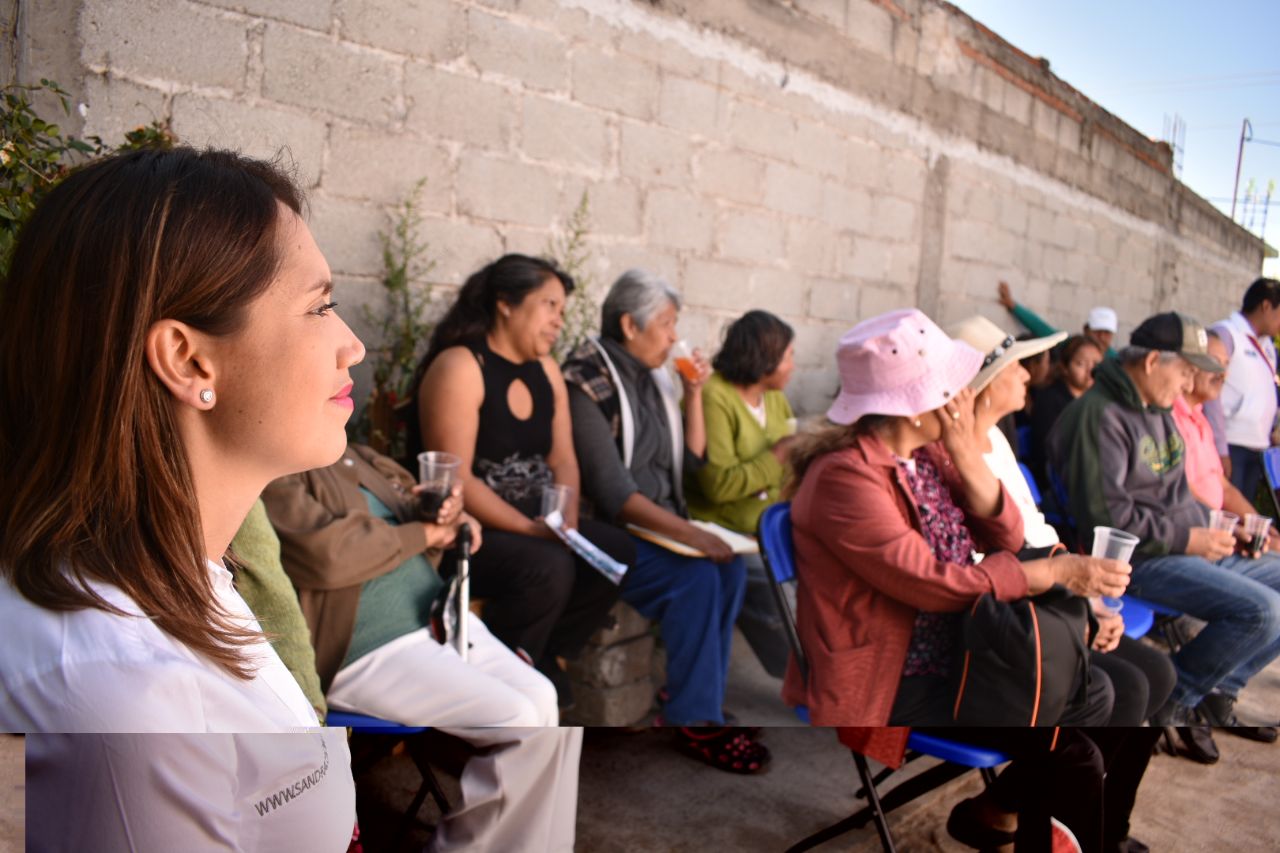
(1238, 597)
(695, 601)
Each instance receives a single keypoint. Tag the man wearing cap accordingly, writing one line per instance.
(1101, 323)
(1244, 416)
(1122, 460)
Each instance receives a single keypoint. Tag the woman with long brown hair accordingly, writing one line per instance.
(168, 348)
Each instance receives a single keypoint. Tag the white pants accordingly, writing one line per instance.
(521, 793)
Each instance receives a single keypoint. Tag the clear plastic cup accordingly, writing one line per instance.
(437, 474)
(1112, 544)
(556, 498)
(1257, 527)
(682, 356)
(1222, 520)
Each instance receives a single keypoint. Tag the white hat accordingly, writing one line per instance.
(997, 346)
(1102, 319)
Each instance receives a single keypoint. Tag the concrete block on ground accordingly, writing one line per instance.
(655, 154)
(508, 191)
(535, 57)
(628, 624)
(563, 133)
(426, 29)
(614, 666)
(627, 705)
(152, 38)
(382, 166)
(615, 82)
(313, 71)
(458, 107)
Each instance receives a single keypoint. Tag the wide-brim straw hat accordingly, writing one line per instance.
(899, 364)
(997, 346)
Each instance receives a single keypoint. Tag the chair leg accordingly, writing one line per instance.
(882, 822)
(430, 786)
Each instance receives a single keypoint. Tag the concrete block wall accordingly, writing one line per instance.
(823, 159)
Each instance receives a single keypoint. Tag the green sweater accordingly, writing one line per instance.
(265, 587)
(741, 475)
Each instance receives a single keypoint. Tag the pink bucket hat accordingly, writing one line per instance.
(901, 364)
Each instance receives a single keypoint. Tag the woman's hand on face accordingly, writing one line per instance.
(959, 427)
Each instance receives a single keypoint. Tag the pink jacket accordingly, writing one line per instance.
(864, 570)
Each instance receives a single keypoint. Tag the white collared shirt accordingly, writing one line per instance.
(194, 793)
(93, 671)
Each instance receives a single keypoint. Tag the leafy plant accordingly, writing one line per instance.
(35, 155)
(402, 324)
(571, 251)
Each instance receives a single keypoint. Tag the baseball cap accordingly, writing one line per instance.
(1174, 332)
(1102, 319)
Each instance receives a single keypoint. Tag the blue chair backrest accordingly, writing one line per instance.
(777, 549)
(776, 542)
(1271, 467)
(1031, 482)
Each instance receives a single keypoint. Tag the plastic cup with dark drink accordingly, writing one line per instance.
(1256, 528)
(437, 475)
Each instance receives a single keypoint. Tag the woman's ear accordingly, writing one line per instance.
(629, 327)
(174, 354)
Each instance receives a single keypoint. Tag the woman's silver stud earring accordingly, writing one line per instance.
(917, 423)
(206, 396)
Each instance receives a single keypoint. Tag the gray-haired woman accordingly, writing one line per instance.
(634, 444)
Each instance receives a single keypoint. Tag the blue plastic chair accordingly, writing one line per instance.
(1024, 442)
(1271, 468)
(777, 550)
(1031, 483)
(392, 733)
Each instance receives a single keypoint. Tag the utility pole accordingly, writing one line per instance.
(1246, 133)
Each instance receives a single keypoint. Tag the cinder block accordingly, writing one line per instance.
(614, 207)
(731, 175)
(821, 149)
(563, 133)
(811, 247)
(829, 11)
(1064, 231)
(875, 300)
(749, 236)
(894, 218)
(114, 107)
(259, 130)
(1044, 120)
(903, 175)
(313, 14)
(865, 258)
(458, 248)
(535, 57)
(172, 41)
(347, 233)
(679, 220)
(615, 82)
(816, 340)
(312, 71)
(716, 284)
(690, 105)
(791, 190)
(1041, 225)
(612, 706)
(614, 666)
(426, 29)
(493, 188)
(864, 163)
(453, 106)
(667, 54)
(654, 154)
(1014, 214)
(871, 26)
(846, 207)
(761, 129)
(830, 299)
(1017, 104)
(624, 257)
(384, 167)
(628, 624)
(780, 291)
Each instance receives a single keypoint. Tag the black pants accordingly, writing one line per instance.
(1086, 778)
(1143, 678)
(925, 700)
(539, 596)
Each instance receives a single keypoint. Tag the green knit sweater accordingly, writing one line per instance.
(265, 587)
(741, 476)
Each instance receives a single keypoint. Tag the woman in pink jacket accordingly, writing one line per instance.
(890, 507)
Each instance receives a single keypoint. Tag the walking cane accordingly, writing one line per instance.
(463, 545)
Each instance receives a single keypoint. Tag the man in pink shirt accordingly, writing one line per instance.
(1205, 474)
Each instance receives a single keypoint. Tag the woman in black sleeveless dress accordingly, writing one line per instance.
(489, 391)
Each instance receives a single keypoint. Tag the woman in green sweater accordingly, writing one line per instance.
(750, 428)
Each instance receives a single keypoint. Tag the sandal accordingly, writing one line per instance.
(729, 749)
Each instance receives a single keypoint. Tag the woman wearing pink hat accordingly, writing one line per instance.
(889, 507)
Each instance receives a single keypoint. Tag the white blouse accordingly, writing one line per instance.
(190, 792)
(1004, 464)
(93, 671)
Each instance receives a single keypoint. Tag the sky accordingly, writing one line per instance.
(1213, 63)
